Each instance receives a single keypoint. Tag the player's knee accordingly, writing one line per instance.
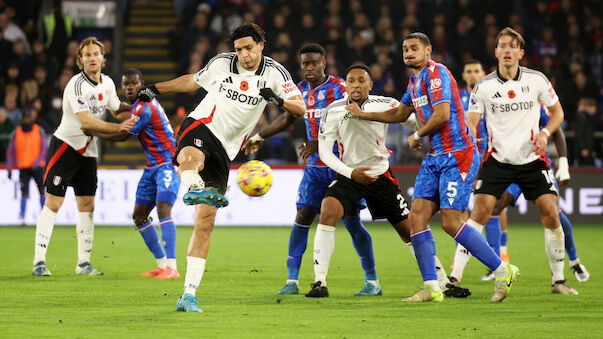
(305, 216)
(331, 211)
(164, 210)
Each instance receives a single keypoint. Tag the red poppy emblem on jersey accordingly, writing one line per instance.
(244, 86)
(311, 100)
(511, 94)
(100, 96)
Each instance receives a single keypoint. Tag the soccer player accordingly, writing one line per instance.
(239, 86)
(159, 183)
(319, 90)
(512, 193)
(72, 154)
(510, 99)
(27, 152)
(447, 172)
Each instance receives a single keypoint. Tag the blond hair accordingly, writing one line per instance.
(508, 31)
(86, 42)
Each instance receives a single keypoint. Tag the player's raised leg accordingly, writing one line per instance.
(192, 162)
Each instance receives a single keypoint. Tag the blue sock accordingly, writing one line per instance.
(168, 235)
(570, 246)
(151, 238)
(23, 205)
(363, 243)
(493, 233)
(503, 238)
(298, 240)
(425, 252)
(477, 245)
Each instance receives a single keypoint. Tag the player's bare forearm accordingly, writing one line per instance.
(472, 122)
(182, 84)
(560, 143)
(118, 136)
(92, 124)
(295, 105)
(394, 115)
(556, 117)
(441, 115)
(121, 116)
(279, 124)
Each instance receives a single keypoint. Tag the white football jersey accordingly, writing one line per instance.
(512, 109)
(361, 142)
(233, 104)
(83, 94)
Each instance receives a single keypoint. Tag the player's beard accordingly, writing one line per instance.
(412, 66)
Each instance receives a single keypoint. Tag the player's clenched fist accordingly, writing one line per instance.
(147, 93)
(271, 97)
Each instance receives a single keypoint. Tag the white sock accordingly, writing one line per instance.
(171, 262)
(501, 271)
(293, 281)
(503, 249)
(324, 245)
(441, 272)
(85, 236)
(373, 282)
(411, 249)
(43, 232)
(479, 227)
(461, 259)
(433, 284)
(162, 262)
(554, 245)
(194, 272)
(191, 178)
(574, 262)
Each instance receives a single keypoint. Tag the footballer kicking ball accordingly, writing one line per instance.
(254, 178)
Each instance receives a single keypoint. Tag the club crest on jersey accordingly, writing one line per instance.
(244, 85)
(511, 94)
(525, 89)
(56, 180)
(100, 96)
(261, 83)
(311, 100)
(478, 184)
(321, 95)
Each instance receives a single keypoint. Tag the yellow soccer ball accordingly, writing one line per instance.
(254, 178)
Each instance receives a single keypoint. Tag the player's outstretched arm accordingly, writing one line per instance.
(185, 83)
(394, 115)
(91, 124)
(123, 112)
(295, 105)
(118, 136)
(279, 124)
(440, 115)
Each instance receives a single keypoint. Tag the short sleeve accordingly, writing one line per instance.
(208, 74)
(114, 101)
(328, 126)
(282, 82)
(406, 99)
(546, 92)
(141, 113)
(77, 101)
(439, 85)
(476, 103)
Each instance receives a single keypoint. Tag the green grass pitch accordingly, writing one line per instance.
(246, 266)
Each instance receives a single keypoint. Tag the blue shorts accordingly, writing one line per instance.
(159, 183)
(446, 179)
(515, 190)
(313, 187)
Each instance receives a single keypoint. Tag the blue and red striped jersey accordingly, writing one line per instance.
(317, 101)
(154, 132)
(482, 130)
(433, 85)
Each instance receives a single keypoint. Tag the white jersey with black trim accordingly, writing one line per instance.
(233, 105)
(512, 109)
(84, 94)
(361, 142)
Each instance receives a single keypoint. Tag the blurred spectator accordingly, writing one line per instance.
(586, 123)
(50, 117)
(57, 31)
(27, 152)
(10, 104)
(6, 128)
(29, 93)
(12, 32)
(6, 48)
(581, 89)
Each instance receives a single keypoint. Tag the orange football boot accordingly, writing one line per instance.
(168, 273)
(152, 273)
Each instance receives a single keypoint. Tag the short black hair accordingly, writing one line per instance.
(313, 48)
(360, 66)
(133, 71)
(473, 61)
(247, 29)
(418, 35)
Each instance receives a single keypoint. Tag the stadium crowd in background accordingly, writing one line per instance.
(37, 53)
